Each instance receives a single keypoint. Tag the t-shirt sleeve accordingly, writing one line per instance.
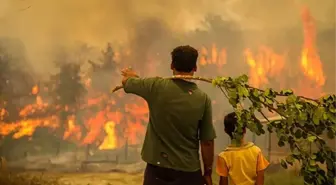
(221, 167)
(207, 131)
(262, 162)
(143, 87)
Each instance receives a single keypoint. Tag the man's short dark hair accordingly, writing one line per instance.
(184, 58)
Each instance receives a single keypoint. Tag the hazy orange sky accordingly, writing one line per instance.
(44, 24)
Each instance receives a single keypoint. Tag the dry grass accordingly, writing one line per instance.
(34, 178)
(26, 179)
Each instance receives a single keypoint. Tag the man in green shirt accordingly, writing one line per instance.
(180, 120)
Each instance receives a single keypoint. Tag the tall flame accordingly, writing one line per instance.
(310, 59)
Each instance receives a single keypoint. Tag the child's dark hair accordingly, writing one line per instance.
(230, 122)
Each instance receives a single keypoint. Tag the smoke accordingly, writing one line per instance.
(45, 25)
(263, 14)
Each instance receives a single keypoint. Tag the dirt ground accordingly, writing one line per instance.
(102, 179)
(112, 178)
(92, 178)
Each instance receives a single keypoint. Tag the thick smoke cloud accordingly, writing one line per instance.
(44, 25)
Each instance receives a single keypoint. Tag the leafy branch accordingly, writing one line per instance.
(302, 122)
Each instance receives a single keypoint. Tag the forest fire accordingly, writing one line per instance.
(114, 123)
(267, 64)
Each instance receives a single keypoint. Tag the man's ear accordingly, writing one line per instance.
(195, 69)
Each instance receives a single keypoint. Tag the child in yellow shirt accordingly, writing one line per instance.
(244, 164)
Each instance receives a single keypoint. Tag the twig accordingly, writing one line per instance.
(183, 77)
(221, 88)
(209, 80)
(278, 94)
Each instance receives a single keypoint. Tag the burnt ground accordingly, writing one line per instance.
(116, 178)
(63, 171)
(113, 178)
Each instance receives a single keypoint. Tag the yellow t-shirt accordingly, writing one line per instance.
(241, 164)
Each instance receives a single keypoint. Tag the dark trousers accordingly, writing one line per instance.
(155, 175)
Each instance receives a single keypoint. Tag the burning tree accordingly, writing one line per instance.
(105, 69)
(14, 84)
(68, 91)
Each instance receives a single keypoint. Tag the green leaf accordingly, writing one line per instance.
(296, 151)
(311, 138)
(243, 78)
(331, 134)
(298, 134)
(290, 160)
(214, 82)
(332, 109)
(286, 92)
(233, 102)
(268, 92)
(318, 115)
(269, 101)
(281, 143)
(270, 127)
(312, 162)
(255, 93)
(304, 135)
(242, 91)
(332, 117)
(232, 94)
(262, 99)
(291, 99)
(283, 163)
(312, 168)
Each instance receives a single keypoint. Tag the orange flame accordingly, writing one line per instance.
(310, 59)
(264, 65)
(216, 56)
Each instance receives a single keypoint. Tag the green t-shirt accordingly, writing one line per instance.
(180, 115)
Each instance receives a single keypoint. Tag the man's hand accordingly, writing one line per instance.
(128, 72)
(207, 179)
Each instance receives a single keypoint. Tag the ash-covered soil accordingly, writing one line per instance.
(113, 178)
(52, 178)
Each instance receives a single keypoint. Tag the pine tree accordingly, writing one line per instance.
(69, 90)
(104, 71)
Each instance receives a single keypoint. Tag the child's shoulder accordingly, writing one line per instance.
(246, 147)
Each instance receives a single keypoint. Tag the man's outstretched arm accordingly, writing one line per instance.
(133, 84)
(207, 136)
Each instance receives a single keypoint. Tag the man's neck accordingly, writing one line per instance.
(176, 73)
